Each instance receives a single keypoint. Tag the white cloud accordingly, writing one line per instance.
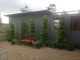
(68, 5)
(13, 6)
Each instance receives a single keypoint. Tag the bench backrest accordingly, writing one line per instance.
(28, 36)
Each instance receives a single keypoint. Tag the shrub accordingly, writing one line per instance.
(12, 42)
(11, 31)
(77, 46)
(44, 31)
(58, 45)
(38, 44)
(32, 26)
(22, 29)
(50, 43)
(63, 45)
(69, 47)
(35, 39)
(9, 38)
(55, 44)
(46, 43)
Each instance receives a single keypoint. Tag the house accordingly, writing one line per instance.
(72, 24)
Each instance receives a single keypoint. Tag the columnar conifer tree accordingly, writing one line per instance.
(11, 30)
(32, 26)
(44, 31)
(22, 29)
(61, 29)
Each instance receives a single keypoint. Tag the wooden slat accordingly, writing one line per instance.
(27, 38)
(73, 24)
(78, 24)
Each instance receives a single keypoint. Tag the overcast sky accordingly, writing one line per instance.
(14, 6)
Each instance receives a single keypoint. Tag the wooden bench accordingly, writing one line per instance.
(27, 38)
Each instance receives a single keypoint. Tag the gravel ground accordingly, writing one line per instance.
(23, 52)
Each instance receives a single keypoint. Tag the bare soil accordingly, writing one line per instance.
(24, 52)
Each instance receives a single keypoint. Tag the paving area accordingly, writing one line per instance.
(23, 52)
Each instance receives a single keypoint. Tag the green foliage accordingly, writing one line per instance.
(44, 31)
(12, 42)
(11, 31)
(46, 43)
(69, 46)
(9, 39)
(61, 29)
(35, 39)
(50, 44)
(56, 44)
(44, 34)
(32, 26)
(77, 46)
(61, 42)
(38, 44)
(61, 45)
(22, 29)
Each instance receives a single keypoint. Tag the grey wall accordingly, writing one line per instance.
(73, 36)
(38, 24)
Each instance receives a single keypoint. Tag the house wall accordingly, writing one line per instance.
(38, 24)
(73, 36)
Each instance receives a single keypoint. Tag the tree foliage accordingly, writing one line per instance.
(52, 8)
(61, 29)
(11, 31)
(22, 29)
(32, 26)
(44, 32)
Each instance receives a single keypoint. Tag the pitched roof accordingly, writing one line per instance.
(30, 13)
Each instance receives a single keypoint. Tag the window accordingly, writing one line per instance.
(75, 23)
(55, 24)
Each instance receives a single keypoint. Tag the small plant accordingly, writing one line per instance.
(56, 44)
(46, 43)
(9, 38)
(61, 45)
(38, 44)
(12, 42)
(35, 39)
(50, 43)
(69, 46)
(77, 46)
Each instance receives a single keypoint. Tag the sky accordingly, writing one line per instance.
(14, 6)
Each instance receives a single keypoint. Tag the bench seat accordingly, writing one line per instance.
(27, 38)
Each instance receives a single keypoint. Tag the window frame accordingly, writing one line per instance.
(53, 24)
